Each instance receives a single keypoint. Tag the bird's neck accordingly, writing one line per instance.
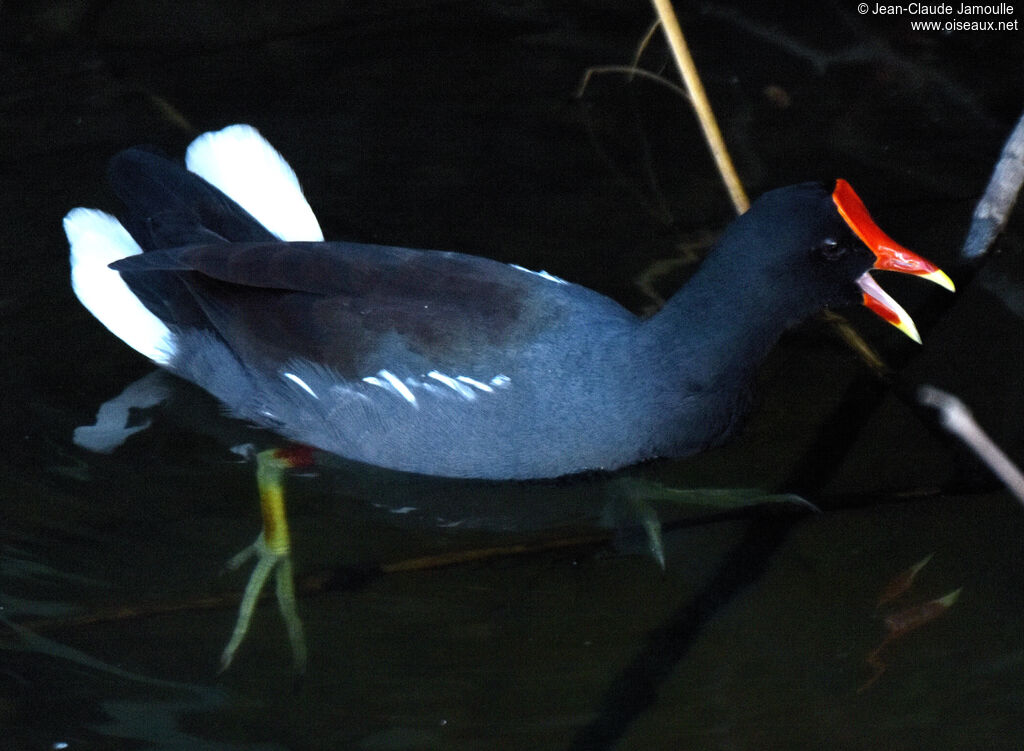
(717, 330)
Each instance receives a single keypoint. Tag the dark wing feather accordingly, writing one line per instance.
(354, 308)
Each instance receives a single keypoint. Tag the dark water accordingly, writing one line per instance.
(453, 126)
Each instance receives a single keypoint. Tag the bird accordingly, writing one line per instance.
(438, 362)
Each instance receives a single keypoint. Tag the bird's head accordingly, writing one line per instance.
(816, 247)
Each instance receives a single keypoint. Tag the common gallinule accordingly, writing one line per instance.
(443, 363)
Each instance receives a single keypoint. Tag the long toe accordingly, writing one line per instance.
(267, 561)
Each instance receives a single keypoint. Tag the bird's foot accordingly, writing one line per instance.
(280, 563)
(272, 552)
(635, 521)
(632, 500)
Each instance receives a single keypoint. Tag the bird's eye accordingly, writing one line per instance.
(830, 249)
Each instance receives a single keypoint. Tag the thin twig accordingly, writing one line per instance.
(868, 355)
(957, 419)
(645, 42)
(993, 210)
(629, 70)
(699, 99)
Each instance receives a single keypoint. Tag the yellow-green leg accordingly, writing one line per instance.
(272, 551)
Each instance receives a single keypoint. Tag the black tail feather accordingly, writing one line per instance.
(169, 207)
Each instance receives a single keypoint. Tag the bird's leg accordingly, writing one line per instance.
(272, 551)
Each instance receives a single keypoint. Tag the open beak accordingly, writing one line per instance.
(889, 256)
